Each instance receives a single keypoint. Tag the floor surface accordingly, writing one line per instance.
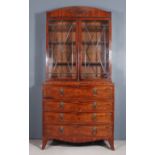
(62, 148)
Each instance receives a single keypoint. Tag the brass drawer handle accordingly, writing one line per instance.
(94, 105)
(94, 131)
(94, 91)
(61, 129)
(61, 104)
(61, 116)
(61, 91)
(94, 116)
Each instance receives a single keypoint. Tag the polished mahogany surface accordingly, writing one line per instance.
(78, 94)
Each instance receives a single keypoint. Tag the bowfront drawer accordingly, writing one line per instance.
(77, 106)
(78, 92)
(60, 91)
(96, 92)
(79, 130)
(77, 118)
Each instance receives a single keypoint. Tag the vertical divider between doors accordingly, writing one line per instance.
(76, 35)
(78, 49)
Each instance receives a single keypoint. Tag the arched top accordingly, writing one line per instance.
(79, 11)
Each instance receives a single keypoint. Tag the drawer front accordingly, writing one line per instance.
(75, 130)
(76, 118)
(60, 92)
(86, 92)
(78, 106)
(98, 92)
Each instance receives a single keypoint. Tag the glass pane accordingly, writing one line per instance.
(95, 49)
(61, 55)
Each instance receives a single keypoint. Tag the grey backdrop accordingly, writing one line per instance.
(37, 49)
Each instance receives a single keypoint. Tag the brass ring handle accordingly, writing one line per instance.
(94, 116)
(61, 116)
(61, 91)
(61, 104)
(61, 129)
(94, 131)
(94, 91)
(94, 105)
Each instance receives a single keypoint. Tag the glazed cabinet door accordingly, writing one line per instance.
(95, 41)
(61, 54)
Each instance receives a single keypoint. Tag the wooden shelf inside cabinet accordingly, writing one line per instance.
(73, 43)
(90, 28)
(94, 29)
(60, 29)
(70, 63)
(64, 64)
(61, 43)
(94, 43)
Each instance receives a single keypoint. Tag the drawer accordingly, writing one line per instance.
(77, 106)
(78, 130)
(96, 92)
(77, 118)
(60, 91)
(86, 92)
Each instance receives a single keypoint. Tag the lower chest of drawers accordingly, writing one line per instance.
(78, 113)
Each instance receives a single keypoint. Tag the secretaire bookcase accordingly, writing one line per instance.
(78, 93)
